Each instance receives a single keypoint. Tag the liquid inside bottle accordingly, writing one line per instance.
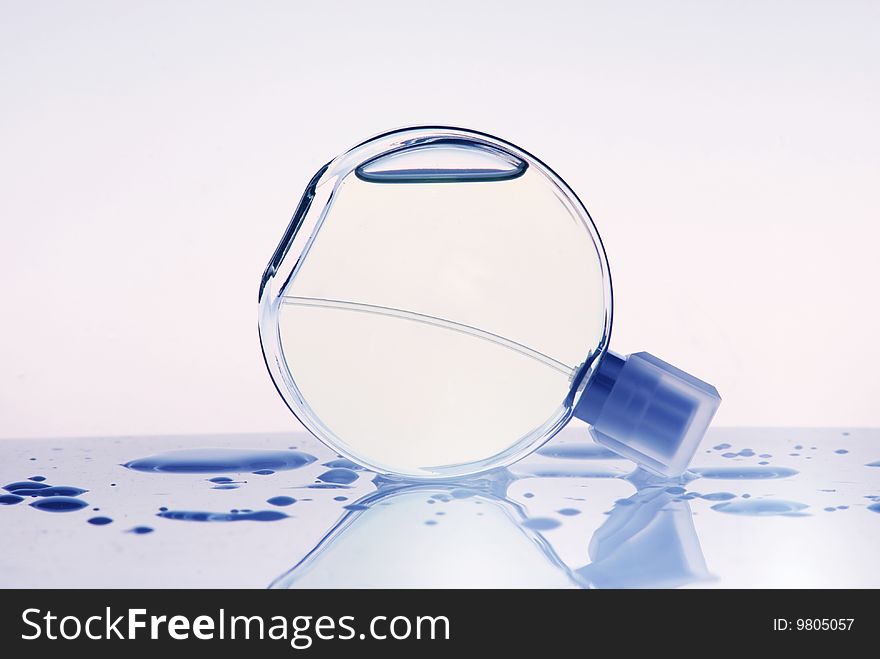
(441, 310)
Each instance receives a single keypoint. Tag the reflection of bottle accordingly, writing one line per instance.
(648, 541)
(470, 535)
(431, 536)
(441, 305)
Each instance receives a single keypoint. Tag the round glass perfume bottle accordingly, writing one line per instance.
(441, 305)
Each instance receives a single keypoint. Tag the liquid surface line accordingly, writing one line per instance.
(403, 314)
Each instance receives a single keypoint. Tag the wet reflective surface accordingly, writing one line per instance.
(773, 508)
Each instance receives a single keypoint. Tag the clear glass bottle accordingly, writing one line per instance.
(440, 305)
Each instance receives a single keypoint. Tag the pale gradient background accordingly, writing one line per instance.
(151, 154)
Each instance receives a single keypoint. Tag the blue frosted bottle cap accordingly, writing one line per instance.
(647, 410)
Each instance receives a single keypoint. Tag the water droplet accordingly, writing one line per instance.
(281, 501)
(676, 490)
(719, 496)
(340, 498)
(721, 447)
(568, 512)
(541, 523)
(225, 486)
(141, 530)
(221, 460)
(338, 476)
(798, 447)
(355, 506)
(579, 451)
(242, 516)
(528, 495)
(745, 473)
(342, 463)
(761, 507)
(841, 451)
(220, 479)
(263, 472)
(572, 471)
(729, 455)
(874, 507)
(876, 463)
(10, 499)
(100, 521)
(431, 522)
(24, 485)
(38, 479)
(59, 504)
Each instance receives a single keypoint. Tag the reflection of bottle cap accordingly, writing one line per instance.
(647, 410)
(648, 541)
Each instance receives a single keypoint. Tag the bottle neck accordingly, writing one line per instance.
(599, 387)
